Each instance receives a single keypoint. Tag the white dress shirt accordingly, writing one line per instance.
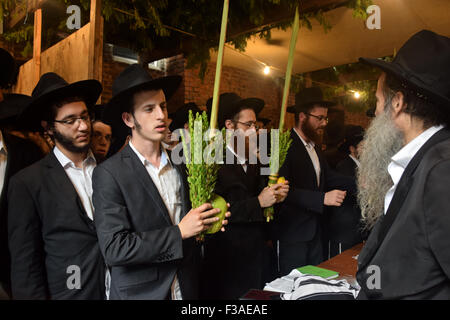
(168, 183)
(81, 178)
(402, 158)
(3, 162)
(355, 160)
(313, 155)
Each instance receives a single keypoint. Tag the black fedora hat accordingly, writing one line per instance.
(230, 103)
(181, 116)
(371, 112)
(308, 97)
(422, 63)
(7, 67)
(96, 112)
(52, 88)
(12, 106)
(353, 136)
(131, 80)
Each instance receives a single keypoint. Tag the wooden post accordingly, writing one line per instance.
(37, 45)
(95, 41)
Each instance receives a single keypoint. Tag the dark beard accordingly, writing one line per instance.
(309, 132)
(68, 144)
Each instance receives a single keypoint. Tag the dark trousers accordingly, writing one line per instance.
(298, 254)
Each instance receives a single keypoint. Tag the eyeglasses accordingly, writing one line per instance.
(75, 120)
(320, 118)
(249, 124)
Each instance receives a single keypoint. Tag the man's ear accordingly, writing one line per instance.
(301, 117)
(126, 117)
(229, 124)
(46, 127)
(398, 103)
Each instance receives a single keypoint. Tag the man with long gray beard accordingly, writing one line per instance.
(404, 176)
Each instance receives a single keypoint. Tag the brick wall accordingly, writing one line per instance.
(193, 89)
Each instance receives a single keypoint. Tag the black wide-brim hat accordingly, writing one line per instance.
(230, 104)
(12, 106)
(353, 136)
(130, 81)
(52, 88)
(309, 97)
(181, 116)
(422, 63)
(7, 68)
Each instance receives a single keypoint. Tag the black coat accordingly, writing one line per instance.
(344, 222)
(298, 217)
(20, 154)
(142, 247)
(409, 246)
(49, 231)
(234, 259)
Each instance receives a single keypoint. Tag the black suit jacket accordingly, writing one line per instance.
(142, 247)
(20, 154)
(344, 222)
(235, 259)
(297, 218)
(410, 244)
(49, 231)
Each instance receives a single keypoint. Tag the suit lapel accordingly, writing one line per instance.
(185, 200)
(135, 164)
(400, 195)
(58, 175)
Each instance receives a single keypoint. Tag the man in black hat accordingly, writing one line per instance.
(145, 224)
(343, 223)
(15, 154)
(314, 186)
(52, 238)
(101, 134)
(405, 174)
(8, 69)
(241, 252)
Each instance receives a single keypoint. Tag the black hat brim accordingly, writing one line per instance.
(120, 102)
(12, 106)
(396, 71)
(88, 90)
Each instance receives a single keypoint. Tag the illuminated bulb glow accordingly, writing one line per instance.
(266, 70)
(357, 95)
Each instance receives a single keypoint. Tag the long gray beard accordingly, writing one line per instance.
(382, 140)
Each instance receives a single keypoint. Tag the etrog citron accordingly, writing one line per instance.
(220, 203)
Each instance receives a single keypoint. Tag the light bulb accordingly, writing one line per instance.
(266, 70)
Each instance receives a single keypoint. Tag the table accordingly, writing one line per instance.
(344, 263)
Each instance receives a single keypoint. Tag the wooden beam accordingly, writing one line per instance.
(95, 41)
(37, 43)
(21, 10)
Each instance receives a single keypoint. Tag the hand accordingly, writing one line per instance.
(225, 220)
(281, 191)
(334, 198)
(198, 220)
(267, 197)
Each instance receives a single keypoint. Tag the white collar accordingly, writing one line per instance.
(307, 144)
(241, 160)
(65, 161)
(355, 160)
(2, 143)
(404, 156)
(164, 157)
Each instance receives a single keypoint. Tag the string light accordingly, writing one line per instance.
(357, 95)
(266, 70)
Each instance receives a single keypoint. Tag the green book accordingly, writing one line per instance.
(316, 271)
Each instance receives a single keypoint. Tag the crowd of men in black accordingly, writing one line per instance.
(83, 220)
